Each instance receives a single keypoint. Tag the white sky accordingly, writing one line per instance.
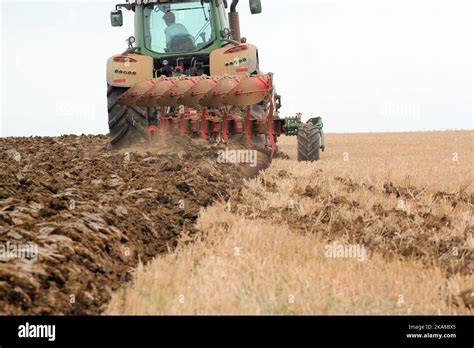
(363, 66)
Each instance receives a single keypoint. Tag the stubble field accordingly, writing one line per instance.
(383, 224)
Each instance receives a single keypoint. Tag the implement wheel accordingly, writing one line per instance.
(309, 142)
(127, 125)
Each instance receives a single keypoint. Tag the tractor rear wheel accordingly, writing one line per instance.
(309, 142)
(127, 125)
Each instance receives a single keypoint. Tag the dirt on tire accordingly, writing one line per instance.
(76, 217)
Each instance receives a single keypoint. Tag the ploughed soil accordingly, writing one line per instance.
(84, 215)
(350, 211)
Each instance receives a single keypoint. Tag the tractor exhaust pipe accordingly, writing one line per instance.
(234, 21)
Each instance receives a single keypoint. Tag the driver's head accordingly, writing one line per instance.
(169, 18)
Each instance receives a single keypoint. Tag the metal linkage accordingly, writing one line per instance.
(205, 106)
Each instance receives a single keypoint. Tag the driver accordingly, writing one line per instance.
(173, 28)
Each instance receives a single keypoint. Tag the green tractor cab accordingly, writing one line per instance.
(189, 72)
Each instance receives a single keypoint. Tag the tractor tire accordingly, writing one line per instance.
(127, 125)
(309, 142)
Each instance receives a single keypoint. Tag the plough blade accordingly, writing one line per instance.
(215, 97)
(249, 91)
(199, 91)
(158, 94)
(183, 86)
(202, 87)
(131, 97)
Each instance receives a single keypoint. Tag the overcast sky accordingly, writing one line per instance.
(363, 66)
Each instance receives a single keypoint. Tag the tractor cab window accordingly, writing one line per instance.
(178, 27)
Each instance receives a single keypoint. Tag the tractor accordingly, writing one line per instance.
(188, 71)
